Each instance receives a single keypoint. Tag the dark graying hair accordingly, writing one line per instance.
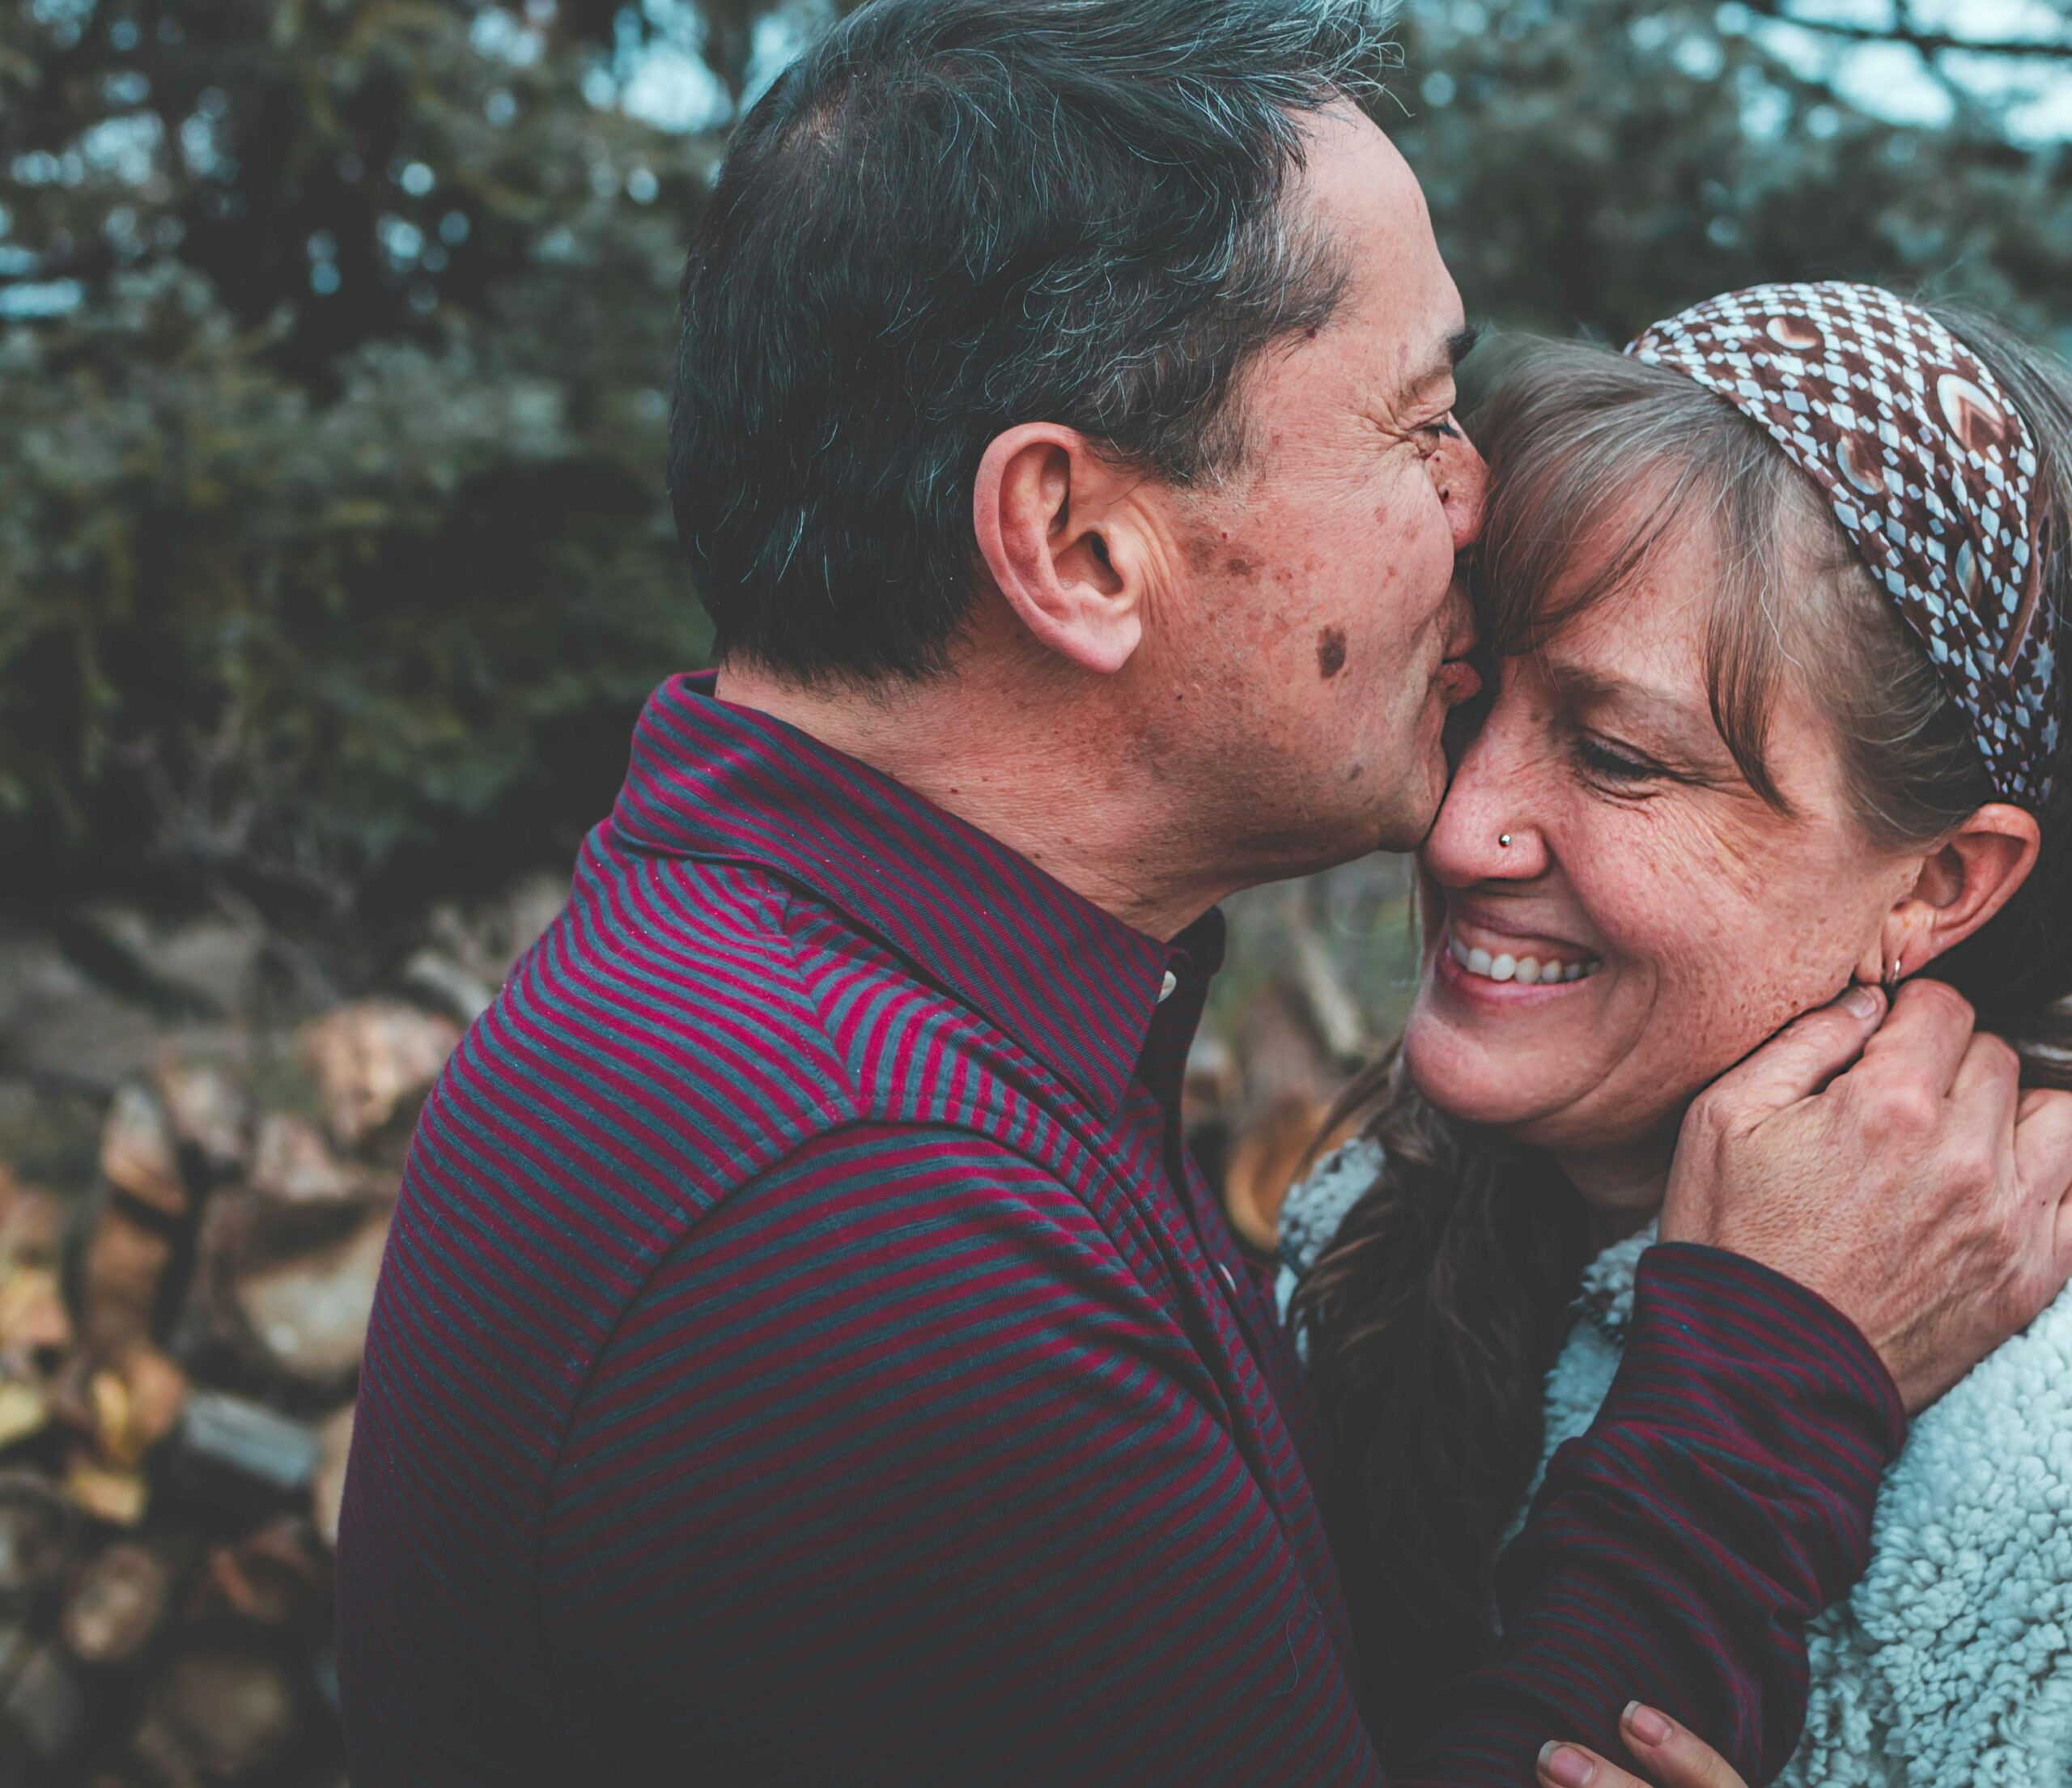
(952, 216)
(1435, 1313)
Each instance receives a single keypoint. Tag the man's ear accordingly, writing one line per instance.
(1065, 542)
(1963, 883)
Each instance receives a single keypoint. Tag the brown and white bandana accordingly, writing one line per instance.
(1930, 469)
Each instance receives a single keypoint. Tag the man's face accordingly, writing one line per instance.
(1303, 644)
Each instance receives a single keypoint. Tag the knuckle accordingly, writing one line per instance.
(1946, 1001)
(1999, 1054)
(1710, 1117)
(1907, 1108)
(1972, 1164)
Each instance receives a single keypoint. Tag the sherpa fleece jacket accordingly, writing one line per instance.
(1951, 1663)
(1951, 1660)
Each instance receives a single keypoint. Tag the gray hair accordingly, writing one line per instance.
(950, 216)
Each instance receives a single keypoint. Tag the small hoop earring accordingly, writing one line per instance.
(1503, 841)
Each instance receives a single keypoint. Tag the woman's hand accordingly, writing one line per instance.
(1673, 1758)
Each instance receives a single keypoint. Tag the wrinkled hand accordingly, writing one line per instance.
(1673, 1757)
(1897, 1168)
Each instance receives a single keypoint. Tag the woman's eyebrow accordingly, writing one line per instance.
(1687, 725)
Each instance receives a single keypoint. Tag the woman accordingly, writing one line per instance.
(1782, 604)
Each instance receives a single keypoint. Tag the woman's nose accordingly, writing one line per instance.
(1485, 830)
(1467, 478)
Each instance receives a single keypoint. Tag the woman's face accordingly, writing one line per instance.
(1652, 918)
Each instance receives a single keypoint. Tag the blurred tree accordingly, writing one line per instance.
(1594, 164)
(331, 558)
(333, 337)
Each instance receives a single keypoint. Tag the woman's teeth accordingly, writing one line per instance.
(1527, 970)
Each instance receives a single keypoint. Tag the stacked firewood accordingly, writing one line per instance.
(178, 1354)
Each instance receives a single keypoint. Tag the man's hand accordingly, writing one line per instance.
(1674, 1757)
(1899, 1171)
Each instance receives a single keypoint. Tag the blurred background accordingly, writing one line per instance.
(334, 565)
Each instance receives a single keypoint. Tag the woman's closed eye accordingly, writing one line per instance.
(1616, 766)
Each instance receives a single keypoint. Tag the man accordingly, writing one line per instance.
(806, 1351)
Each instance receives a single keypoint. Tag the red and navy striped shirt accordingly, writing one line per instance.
(806, 1354)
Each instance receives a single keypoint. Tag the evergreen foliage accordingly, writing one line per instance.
(332, 552)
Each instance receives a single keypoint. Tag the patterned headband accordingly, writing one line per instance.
(1929, 467)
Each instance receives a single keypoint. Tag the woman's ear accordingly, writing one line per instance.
(1963, 883)
(1059, 529)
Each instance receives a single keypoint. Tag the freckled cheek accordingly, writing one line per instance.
(1717, 964)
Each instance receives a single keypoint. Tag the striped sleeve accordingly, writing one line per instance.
(1677, 1551)
(895, 1471)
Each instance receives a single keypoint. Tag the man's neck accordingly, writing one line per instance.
(1051, 789)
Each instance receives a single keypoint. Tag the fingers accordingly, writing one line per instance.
(1989, 1083)
(1927, 1035)
(2043, 1140)
(1805, 1055)
(2042, 1157)
(1673, 1757)
(1571, 1766)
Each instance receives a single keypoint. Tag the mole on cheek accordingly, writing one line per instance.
(1331, 652)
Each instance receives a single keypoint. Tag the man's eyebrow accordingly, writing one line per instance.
(1458, 346)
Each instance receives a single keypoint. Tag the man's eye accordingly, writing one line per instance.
(1601, 760)
(1444, 429)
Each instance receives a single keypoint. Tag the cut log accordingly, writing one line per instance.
(334, 1441)
(275, 1577)
(115, 1494)
(440, 981)
(46, 1708)
(292, 1164)
(218, 1714)
(158, 1393)
(121, 1275)
(139, 1155)
(24, 1410)
(133, 1404)
(232, 1452)
(118, 1603)
(32, 1223)
(209, 1115)
(37, 1538)
(33, 1319)
(307, 1315)
(373, 1059)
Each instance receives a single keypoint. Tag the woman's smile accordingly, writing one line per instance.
(1496, 958)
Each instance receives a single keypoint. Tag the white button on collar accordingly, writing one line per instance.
(1167, 986)
(1229, 1284)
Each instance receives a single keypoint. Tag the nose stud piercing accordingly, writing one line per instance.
(1503, 841)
